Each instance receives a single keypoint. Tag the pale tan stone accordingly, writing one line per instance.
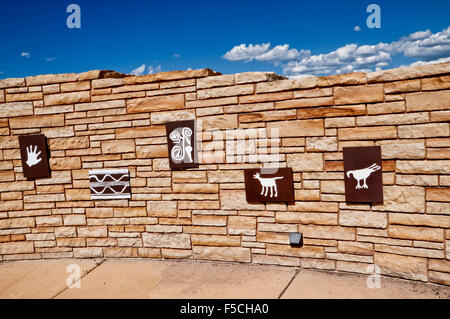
(416, 233)
(215, 81)
(162, 208)
(51, 78)
(362, 219)
(327, 232)
(235, 199)
(169, 76)
(151, 151)
(157, 103)
(218, 122)
(16, 248)
(16, 109)
(236, 90)
(393, 119)
(343, 79)
(252, 77)
(436, 83)
(242, 225)
(305, 162)
(196, 188)
(367, 133)
(164, 117)
(64, 163)
(423, 167)
(222, 253)
(67, 98)
(95, 106)
(355, 248)
(104, 83)
(438, 194)
(408, 72)
(298, 128)
(306, 102)
(403, 199)
(358, 94)
(69, 143)
(419, 220)
(174, 240)
(386, 107)
(92, 231)
(285, 85)
(88, 252)
(323, 144)
(49, 221)
(424, 130)
(118, 146)
(75, 86)
(428, 101)
(37, 121)
(313, 92)
(402, 86)
(403, 149)
(12, 82)
(318, 218)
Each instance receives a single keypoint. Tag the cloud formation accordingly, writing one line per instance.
(357, 28)
(25, 54)
(141, 70)
(423, 45)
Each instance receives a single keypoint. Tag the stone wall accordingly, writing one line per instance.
(103, 119)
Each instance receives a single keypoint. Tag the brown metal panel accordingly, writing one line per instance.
(263, 185)
(363, 174)
(181, 143)
(33, 153)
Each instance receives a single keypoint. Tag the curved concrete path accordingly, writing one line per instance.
(131, 278)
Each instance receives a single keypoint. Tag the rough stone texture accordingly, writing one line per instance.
(358, 94)
(103, 119)
(157, 103)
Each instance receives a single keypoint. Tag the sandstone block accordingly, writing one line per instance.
(428, 101)
(162, 208)
(242, 225)
(343, 79)
(37, 121)
(222, 253)
(323, 144)
(305, 102)
(16, 109)
(215, 81)
(403, 199)
(416, 233)
(362, 219)
(92, 231)
(67, 98)
(298, 128)
(88, 252)
(332, 111)
(393, 119)
(251, 77)
(285, 85)
(424, 130)
(438, 194)
(23, 97)
(151, 151)
(402, 86)
(402, 266)
(164, 117)
(118, 146)
(12, 82)
(235, 199)
(367, 133)
(358, 94)
(173, 240)
(318, 218)
(402, 149)
(436, 83)
(305, 162)
(156, 103)
(216, 240)
(327, 232)
(423, 167)
(196, 188)
(49, 221)
(218, 122)
(355, 248)
(386, 108)
(419, 220)
(16, 248)
(75, 86)
(58, 144)
(104, 83)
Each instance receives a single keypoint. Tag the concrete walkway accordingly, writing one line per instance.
(126, 278)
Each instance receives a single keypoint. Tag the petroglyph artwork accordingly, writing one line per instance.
(33, 152)
(362, 174)
(262, 185)
(181, 144)
(183, 149)
(109, 184)
(268, 184)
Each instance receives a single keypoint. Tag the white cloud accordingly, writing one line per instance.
(176, 55)
(50, 59)
(139, 70)
(151, 69)
(25, 54)
(441, 60)
(422, 45)
(263, 53)
(357, 28)
(1, 72)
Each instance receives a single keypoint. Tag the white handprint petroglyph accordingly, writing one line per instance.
(32, 156)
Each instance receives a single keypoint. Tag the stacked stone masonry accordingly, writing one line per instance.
(104, 119)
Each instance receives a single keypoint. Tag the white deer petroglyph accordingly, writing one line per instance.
(363, 174)
(268, 183)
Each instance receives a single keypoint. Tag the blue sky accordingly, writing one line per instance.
(293, 38)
